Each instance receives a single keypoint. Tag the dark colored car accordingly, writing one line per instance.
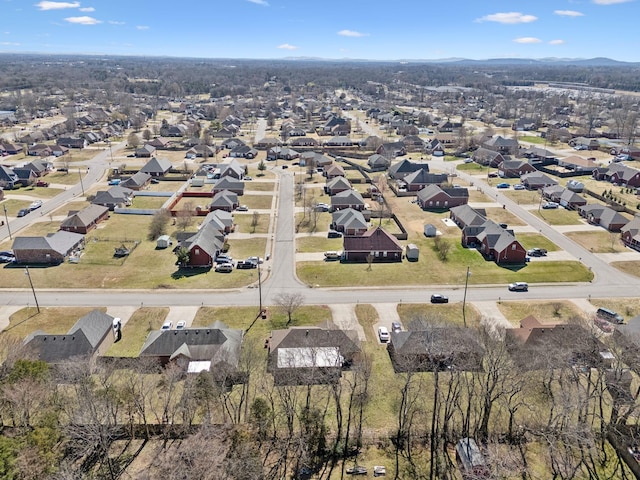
(503, 185)
(23, 212)
(334, 234)
(246, 264)
(396, 327)
(438, 298)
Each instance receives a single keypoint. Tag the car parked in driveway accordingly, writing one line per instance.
(167, 325)
(549, 205)
(519, 186)
(519, 287)
(439, 298)
(503, 185)
(396, 327)
(242, 208)
(181, 325)
(536, 252)
(383, 334)
(224, 268)
(334, 234)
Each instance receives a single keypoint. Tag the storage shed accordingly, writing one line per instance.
(430, 230)
(163, 241)
(412, 252)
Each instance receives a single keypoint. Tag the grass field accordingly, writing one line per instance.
(244, 221)
(135, 332)
(558, 311)
(559, 216)
(148, 202)
(13, 206)
(627, 307)
(312, 244)
(631, 268)
(257, 201)
(35, 192)
(599, 241)
(532, 240)
(53, 320)
(64, 178)
(532, 139)
(255, 186)
(450, 313)
(501, 215)
(305, 225)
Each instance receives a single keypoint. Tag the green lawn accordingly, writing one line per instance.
(53, 320)
(532, 240)
(148, 202)
(558, 216)
(532, 139)
(317, 244)
(36, 192)
(429, 272)
(471, 167)
(257, 201)
(244, 223)
(547, 312)
(450, 313)
(598, 241)
(135, 332)
(12, 206)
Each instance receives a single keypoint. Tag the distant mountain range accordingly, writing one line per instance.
(582, 62)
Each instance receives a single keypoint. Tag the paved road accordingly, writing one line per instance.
(91, 172)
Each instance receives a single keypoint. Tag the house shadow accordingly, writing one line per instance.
(189, 272)
(514, 268)
(32, 266)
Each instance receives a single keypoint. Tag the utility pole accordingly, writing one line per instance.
(6, 217)
(260, 287)
(464, 299)
(26, 272)
(81, 184)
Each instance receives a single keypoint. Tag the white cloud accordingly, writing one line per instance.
(264, 3)
(83, 20)
(56, 5)
(568, 13)
(527, 40)
(10, 44)
(352, 33)
(87, 9)
(114, 22)
(286, 46)
(610, 2)
(508, 18)
(556, 42)
(142, 27)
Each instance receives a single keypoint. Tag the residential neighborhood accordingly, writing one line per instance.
(375, 272)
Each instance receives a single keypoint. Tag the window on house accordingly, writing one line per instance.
(384, 254)
(513, 247)
(197, 251)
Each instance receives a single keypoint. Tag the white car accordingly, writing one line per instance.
(383, 334)
(242, 208)
(36, 204)
(181, 325)
(167, 325)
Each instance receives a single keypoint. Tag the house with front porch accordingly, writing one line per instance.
(434, 197)
(376, 245)
(631, 233)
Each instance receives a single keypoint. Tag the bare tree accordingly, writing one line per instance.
(133, 140)
(184, 216)
(289, 303)
(255, 220)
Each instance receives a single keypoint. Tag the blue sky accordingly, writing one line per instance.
(365, 29)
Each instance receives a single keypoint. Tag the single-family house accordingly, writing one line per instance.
(230, 184)
(224, 200)
(377, 162)
(349, 221)
(337, 185)
(426, 348)
(604, 216)
(339, 141)
(631, 233)
(303, 142)
(85, 220)
(577, 163)
(116, 196)
(203, 246)
(72, 142)
(161, 143)
(146, 151)
(585, 143)
(243, 151)
(311, 355)
(500, 245)
(215, 349)
(137, 181)
(537, 180)
(39, 150)
(506, 146)
(267, 143)
(401, 169)
(540, 346)
(514, 168)
(283, 153)
(157, 167)
(376, 245)
(418, 180)
(8, 178)
(434, 197)
(334, 170)
(90, 336)
(52, 249)
(347, 199)
(222, 220)
(487, 157)
(392, 149)
(413, 143)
